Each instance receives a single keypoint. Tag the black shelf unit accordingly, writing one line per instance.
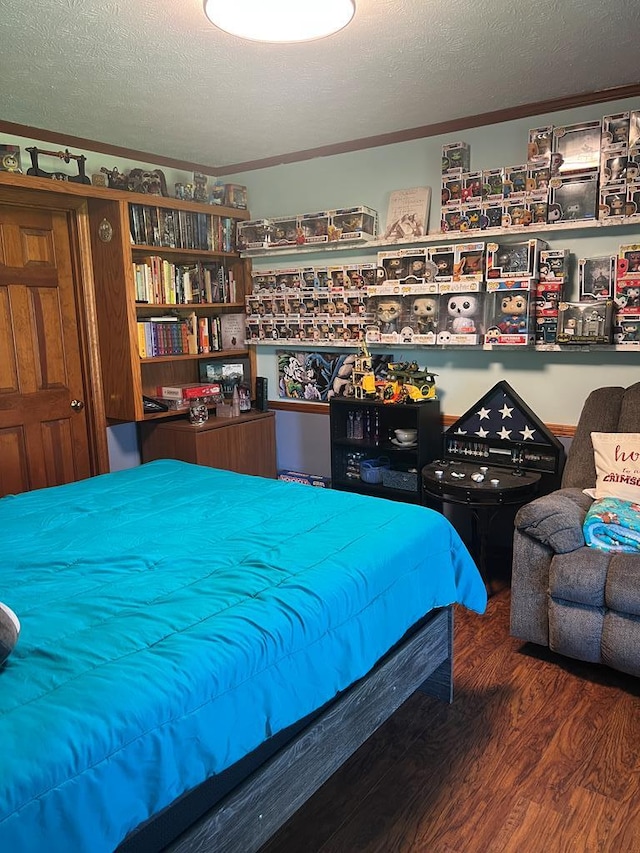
(347, 452)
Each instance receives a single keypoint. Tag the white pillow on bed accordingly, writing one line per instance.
(617, 461)
(9, 631)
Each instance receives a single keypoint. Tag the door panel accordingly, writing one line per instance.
(43, 440)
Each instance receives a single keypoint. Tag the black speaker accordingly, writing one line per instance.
(262, 394)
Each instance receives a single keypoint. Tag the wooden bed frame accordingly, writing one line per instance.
(245, 819)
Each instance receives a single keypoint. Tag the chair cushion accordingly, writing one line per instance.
(556, 519)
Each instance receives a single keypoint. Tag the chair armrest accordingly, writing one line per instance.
(556, 519)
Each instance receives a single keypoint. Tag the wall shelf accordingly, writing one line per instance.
(516, 231)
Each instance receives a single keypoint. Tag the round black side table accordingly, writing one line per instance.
(484, 490)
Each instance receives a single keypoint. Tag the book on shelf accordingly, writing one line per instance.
(232, 331)
(408, 213)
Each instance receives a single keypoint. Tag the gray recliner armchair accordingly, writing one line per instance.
(579, 601)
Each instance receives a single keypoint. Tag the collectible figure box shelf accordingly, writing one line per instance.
(513, 261)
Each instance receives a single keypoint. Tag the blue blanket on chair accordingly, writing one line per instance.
(612, 524)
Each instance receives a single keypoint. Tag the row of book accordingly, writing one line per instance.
(159, 282)
(191, 335)
(181, 229)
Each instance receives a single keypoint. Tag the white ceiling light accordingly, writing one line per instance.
(280, 20)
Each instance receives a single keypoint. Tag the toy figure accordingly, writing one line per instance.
(513, 310)
(425, 311)
(388, 315)
(463, 309)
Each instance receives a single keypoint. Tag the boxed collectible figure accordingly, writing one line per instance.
(461, 318)
(634, 129)
(516, 213)
(546, 330)
(288, 279)
(314, 227)
(538, 177)
(452, 188)
(596, 277)
(632, 207)
(492, 180)
(253, 234)
(613, 165)
(538, 206)
(469, 262)
(613, 200)
(540, 145)
(573, 197)
(423, 318)
(626, 329)
(615, 130)
(456, 155)
(509, 316)
(471, 187)
(511, 261)
(576, 147)
(554, 266)
(451, 217)
(548, 297)
(284, 232)
(470, 217)
(353, 223)
(514, 184)
(401, 264)
(444, 259)
(585, 322)
(491, 214)
(627, 293)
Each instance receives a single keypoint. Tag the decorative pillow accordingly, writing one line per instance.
(617, 461)
(9, 631)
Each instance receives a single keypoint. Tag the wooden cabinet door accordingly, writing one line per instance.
(44, 439)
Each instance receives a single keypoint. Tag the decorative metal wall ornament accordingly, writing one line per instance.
(105, 231)
(65, 155)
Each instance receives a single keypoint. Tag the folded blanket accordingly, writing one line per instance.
(612, 524)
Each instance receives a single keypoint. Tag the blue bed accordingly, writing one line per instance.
(174, 617)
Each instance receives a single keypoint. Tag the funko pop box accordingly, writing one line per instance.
(510, 315)
(513, 261)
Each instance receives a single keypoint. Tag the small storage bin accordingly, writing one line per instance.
(407, 480)
(371, 470)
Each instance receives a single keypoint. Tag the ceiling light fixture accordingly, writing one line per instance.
(280, 20)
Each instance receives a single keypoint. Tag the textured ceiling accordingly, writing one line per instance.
(154, 75)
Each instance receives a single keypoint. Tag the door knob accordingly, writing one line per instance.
(77, 405)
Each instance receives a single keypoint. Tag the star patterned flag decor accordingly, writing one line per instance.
(502, 415)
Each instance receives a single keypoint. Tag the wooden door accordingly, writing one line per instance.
(44, 438)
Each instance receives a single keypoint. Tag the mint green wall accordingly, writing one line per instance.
(554, 384)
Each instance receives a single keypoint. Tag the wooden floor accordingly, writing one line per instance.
(536, 753)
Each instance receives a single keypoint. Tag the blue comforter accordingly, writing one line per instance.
(175, 616)
(613, 524)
